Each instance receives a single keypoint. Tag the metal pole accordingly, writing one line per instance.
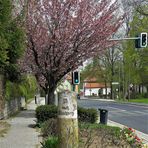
(119, 39)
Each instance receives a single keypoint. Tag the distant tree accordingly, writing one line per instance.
(11, 41)
(92, 70)
(5, 11)
(63, 34)
(135, 60)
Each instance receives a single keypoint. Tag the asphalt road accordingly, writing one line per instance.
(134, 116)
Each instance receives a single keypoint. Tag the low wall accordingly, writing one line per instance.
(10, 108)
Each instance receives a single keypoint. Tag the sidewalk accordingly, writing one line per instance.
(22, 133)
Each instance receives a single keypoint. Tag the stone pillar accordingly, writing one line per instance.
(67, 120)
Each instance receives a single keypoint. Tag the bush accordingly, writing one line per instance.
(145, 95)
(44, 112)
(51, 142)
(49, 128)
(87, 115)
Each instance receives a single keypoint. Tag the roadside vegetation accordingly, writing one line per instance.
(4, 127)
(91, 134)
(142, 100)
(26, 88)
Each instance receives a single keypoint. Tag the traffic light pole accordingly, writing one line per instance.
(140, 40)
(132, 38)
(73, 87)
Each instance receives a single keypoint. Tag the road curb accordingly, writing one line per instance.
(139, 134)
(108, 100)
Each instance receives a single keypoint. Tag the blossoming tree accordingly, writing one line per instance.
(62, 34)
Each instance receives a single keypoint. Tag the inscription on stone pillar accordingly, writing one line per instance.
(67, 106)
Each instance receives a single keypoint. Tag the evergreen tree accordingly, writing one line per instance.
(11, 41)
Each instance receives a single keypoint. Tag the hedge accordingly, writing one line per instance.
(87, 115)
(44, 112)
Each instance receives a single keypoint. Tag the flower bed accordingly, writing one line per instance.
(133, 139)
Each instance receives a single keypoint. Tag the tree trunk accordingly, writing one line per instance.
(105, 90)
(111, 91)
(139, 89)
(51, 97)
(51, 89)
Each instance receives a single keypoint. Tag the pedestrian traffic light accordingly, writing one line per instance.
(75, 77)
(143, 39)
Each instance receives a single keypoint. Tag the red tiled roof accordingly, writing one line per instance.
(94, 85)
(90, 80)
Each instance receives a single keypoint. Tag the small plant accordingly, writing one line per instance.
(101, 136)
(49, 128)
(51, 142)
(132, 138)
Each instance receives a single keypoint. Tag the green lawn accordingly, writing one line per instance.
(145, 100)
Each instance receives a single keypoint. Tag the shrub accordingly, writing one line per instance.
(87, 115)
(51, 142)
(145, 95)
(44, 112)
(49, 128)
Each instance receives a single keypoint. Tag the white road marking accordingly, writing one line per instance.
(136, 105)
(139, 112)
(117, 109)
(127, 113)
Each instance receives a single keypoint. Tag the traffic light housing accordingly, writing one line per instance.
(143, 39)
(76, 78)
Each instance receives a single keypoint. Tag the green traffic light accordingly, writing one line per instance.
(76, 81)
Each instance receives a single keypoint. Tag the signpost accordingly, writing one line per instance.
(115, 83)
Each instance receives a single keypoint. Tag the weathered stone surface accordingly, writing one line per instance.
(68, 133)
(11, 107)
(7, 107)
(1, 96)
(67, 120)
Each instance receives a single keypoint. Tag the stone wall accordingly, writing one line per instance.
(7, 108)
(10, 107)
(1, 95)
